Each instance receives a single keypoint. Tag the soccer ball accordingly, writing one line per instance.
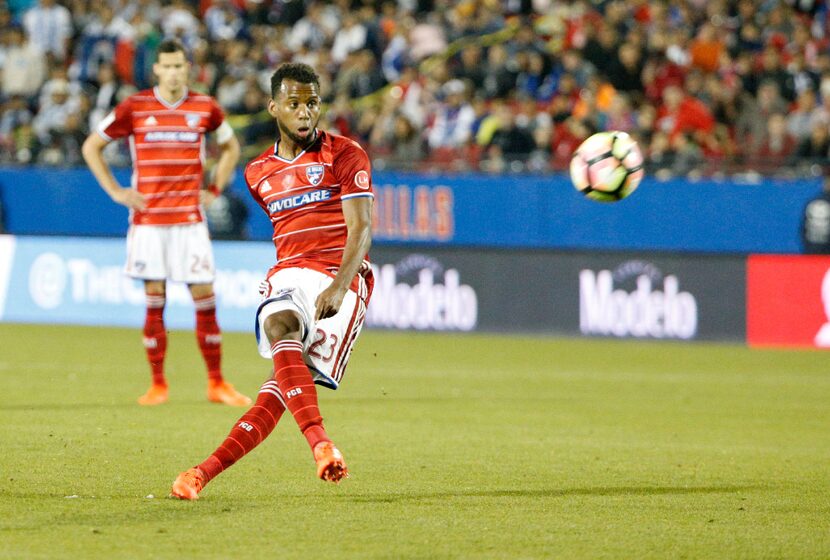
(607, 166)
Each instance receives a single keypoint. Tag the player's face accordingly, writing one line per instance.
(296, 108)
(171, 69)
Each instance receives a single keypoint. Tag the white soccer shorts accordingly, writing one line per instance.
(327, 344)
(181, 253)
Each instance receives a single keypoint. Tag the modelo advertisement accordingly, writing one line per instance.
(607, 295)
(788, 301)
(81, 281)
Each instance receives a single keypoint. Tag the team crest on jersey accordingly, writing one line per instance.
(192, 120)
(314, 173)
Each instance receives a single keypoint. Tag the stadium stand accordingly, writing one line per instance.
(706, 87)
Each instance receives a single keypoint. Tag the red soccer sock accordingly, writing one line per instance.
(209, 335)
(251, 430)
(155, 337)
(297, 387)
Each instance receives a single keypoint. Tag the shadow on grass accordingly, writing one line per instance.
(548, 493)
(81, 512)
(415, 496)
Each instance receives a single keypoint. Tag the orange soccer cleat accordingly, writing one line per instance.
(330, 464)
(223, 392)
(156, 394)
(188, 484)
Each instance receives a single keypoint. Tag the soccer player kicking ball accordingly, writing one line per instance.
(168, 238)
(316, 189)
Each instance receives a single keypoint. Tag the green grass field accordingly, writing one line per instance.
(460, 446)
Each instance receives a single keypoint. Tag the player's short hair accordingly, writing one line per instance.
(297, 71)
(170, 46)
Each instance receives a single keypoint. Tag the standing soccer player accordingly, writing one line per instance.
(316, 189)
(168, 238)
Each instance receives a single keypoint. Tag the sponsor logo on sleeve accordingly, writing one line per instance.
(361, 179)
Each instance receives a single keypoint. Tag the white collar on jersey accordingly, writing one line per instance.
(161, 100)
(298, 156)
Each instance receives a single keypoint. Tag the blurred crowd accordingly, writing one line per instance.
(705, 86)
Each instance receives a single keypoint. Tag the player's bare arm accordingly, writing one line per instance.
(358, 215)
(228, 158)
(93, 152)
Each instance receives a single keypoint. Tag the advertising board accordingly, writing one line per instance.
(788, 300)
(475, 210)
(627, 295)
(624, 295)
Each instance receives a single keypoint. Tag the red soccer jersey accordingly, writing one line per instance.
(303, 196)
(167, 146)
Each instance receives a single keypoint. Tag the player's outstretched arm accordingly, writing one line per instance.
(358, 214)
(93, 152)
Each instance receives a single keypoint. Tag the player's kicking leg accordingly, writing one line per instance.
(291, 377)
(279, 331)
(330, 463)
(296, 384)
(248, 432)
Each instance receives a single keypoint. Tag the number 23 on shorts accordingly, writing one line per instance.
(323, 346)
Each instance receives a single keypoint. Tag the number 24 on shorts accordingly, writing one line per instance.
(199, 263)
